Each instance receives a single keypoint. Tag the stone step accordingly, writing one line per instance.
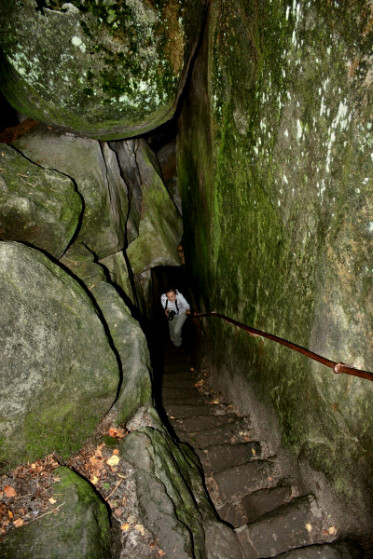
(189, 410)
(328, 551)
(179, 393)
(233, 514)
(297, 524)
(261, 502)
(226, 433)
(236, 482)
(223, 456)
(198, 423)
(187, 399)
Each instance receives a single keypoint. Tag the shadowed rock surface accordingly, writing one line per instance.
(59, 375)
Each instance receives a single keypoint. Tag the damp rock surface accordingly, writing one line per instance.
(112, 70)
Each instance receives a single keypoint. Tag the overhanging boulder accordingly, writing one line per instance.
(105, 70)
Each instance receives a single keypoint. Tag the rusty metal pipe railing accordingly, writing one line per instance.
(336, 367)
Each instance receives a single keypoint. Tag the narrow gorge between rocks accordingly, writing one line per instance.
(224, 149)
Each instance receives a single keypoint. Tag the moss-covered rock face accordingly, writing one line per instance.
(275, 166)
(37, 206)
(103, 69)
(58, 374)
(94, 168)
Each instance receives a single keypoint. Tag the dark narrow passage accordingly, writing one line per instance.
(253, 490)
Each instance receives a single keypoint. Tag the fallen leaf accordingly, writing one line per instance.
(161, 553)
(94, 480)
(116, 432)
(125, 527)
(18, 523)
(52, 500)
(113, 460)
(10, 514)
(214, 402)
(309, 527)
(140, 528)
(332, 530)
(116, 451)
(9, 491)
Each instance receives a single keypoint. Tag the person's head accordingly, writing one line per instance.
(171, 294)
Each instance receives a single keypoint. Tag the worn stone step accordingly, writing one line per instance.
(189, 410)
(173, 392)
(261, 502)
(223, 456)
(181, 376)
(235, 483)
(299, 523)
(226, 433)
(187, 399)
(233, 514)
(328, 551)
(198, 423)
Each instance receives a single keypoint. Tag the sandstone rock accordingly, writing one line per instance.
(127, 159)
(130, 343)
(93, 167)
(167, 504)
(167, 160)
(117, 269)
(112, 70)
(79, 528)
(80, 260)
(275, 168)
(157, 220)
(37, 206)
(58, 375)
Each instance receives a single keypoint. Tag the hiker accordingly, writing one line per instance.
(176, 308)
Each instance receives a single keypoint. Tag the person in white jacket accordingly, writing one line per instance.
(176, 308)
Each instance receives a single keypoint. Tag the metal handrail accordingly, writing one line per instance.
(336, 367)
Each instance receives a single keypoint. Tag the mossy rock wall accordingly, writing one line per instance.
(275, 168)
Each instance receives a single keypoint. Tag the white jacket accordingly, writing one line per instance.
(182, 303)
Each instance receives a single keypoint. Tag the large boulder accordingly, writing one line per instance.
(58, 374)
(107, 70)
(37, 206)
(94, 168)
(78, 528)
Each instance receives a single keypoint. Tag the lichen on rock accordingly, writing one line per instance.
(113, 69)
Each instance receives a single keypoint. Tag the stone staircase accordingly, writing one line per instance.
(247, 486)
